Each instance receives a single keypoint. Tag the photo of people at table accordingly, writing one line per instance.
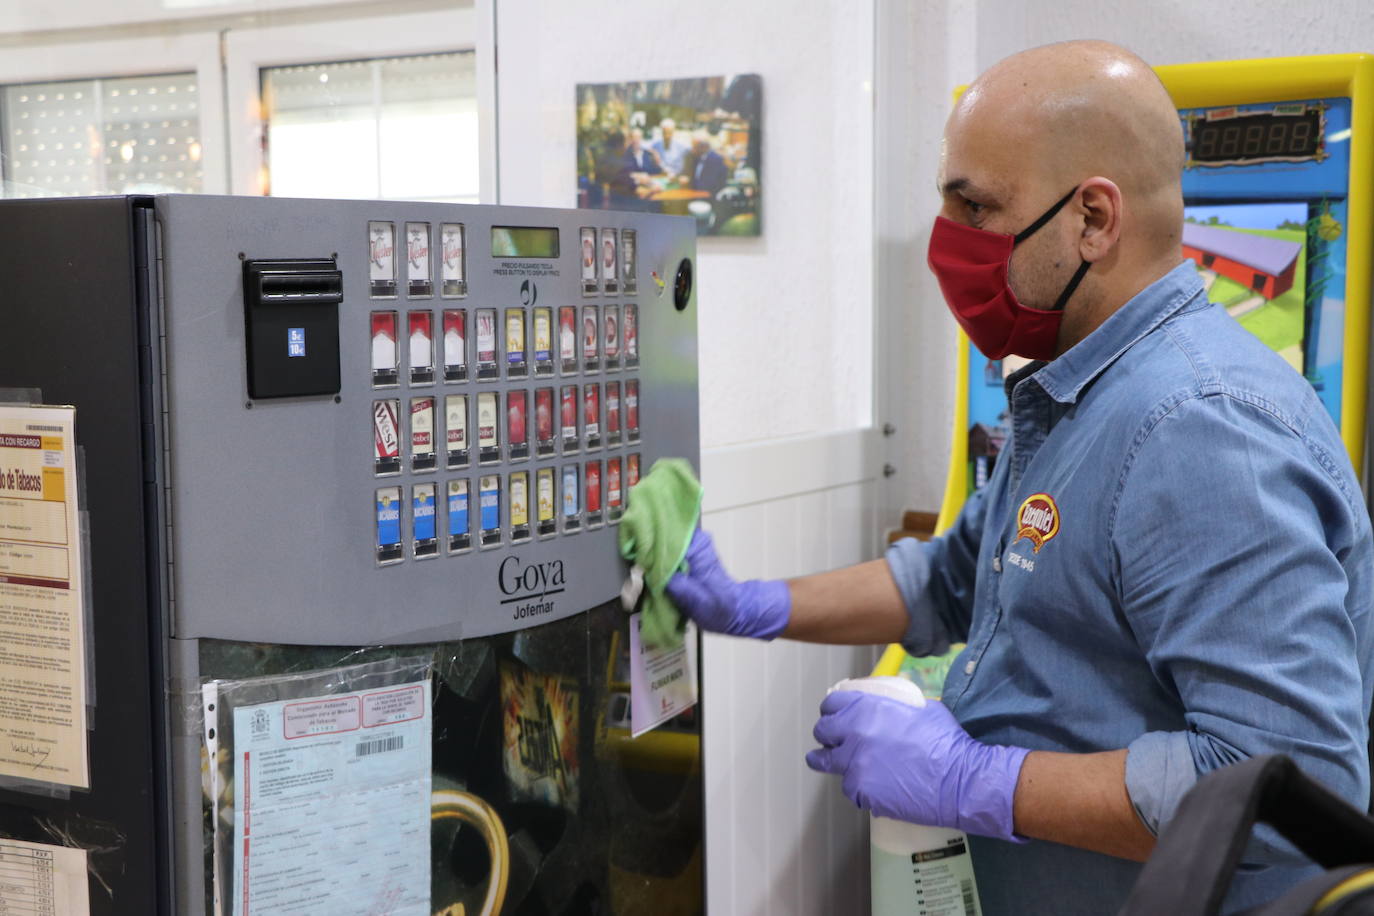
(688, 147)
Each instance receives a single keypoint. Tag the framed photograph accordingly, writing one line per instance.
(690, 147)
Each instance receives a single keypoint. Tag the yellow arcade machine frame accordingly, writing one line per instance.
(1245, 82)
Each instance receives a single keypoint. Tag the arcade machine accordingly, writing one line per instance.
(309, 587)
(1279, 207)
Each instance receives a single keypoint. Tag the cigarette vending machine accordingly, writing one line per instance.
(309, 585)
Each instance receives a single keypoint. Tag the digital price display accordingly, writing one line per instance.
(524, 242)
(1258, 136)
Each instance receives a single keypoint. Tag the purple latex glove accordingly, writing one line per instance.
(706, 593)
(917, 764)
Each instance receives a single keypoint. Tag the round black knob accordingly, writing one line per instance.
(682, 285)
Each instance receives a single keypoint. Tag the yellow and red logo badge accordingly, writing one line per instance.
(1037, 520)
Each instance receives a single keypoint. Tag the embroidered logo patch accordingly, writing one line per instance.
(1037, 520)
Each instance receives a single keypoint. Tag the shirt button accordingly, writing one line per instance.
(997, 564)
(969, 666)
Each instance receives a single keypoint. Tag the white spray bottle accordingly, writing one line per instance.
(916, 869)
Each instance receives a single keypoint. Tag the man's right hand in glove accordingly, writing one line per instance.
(857, 605)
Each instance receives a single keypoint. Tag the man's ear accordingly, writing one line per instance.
(1099, 201)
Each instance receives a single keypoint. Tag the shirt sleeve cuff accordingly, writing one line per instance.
(909, 562)
(1159, 772)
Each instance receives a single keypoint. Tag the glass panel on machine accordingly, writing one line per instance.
(459, 537)
(453, 238)
(385, 368)
(421, 347)
(422, 434)
(612, 328)
(568, 419)
(543, 341)
(397, 128)
(419, 283)
(516, 365)
(455, 345)
(517, 429)
(381, 259)
(387, 511)
(544, 484)
(129, 135)
(567, 339)
(386, 438)
(456, 430)
(572, 499)
(426, 538)
(543, 422)
(589, 262)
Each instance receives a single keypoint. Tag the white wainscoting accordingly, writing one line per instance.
(781, 839)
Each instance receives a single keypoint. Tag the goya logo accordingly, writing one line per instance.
(1037, 520)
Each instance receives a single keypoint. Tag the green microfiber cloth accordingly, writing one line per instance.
(654, 535)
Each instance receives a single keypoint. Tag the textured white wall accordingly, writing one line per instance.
(786, 319)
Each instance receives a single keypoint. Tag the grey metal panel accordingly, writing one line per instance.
(272, 505)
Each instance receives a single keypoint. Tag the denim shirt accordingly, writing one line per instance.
(1172, 556)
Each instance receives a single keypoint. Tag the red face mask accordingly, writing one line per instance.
(972, 266)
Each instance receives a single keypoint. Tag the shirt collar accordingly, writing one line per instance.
(1066, 377)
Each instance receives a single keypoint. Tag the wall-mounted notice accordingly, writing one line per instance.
(41, 880)
(42, 616)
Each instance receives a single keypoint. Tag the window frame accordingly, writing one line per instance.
(248, 51)
(128, 57)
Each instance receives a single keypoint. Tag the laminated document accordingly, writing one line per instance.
(42, 599)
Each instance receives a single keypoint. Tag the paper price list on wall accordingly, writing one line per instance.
(42, 880)
(42, 624)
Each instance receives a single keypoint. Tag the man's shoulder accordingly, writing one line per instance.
(1204, 354)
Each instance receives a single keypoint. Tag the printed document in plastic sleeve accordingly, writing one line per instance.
(42, 611)
(333, 798)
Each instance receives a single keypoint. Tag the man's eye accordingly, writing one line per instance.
(973, 206)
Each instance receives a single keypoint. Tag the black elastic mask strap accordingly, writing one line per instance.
(1073, 285)
(1045, 218)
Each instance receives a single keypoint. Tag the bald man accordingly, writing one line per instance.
(1170, 567)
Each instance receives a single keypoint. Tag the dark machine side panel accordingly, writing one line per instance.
(71, 320)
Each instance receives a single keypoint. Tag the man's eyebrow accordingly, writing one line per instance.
(957, 184)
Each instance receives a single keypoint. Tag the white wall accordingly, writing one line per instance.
(797, 300)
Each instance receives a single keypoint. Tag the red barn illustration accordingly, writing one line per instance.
(1265, 265)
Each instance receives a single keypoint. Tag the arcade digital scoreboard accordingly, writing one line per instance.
(1279, 219)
